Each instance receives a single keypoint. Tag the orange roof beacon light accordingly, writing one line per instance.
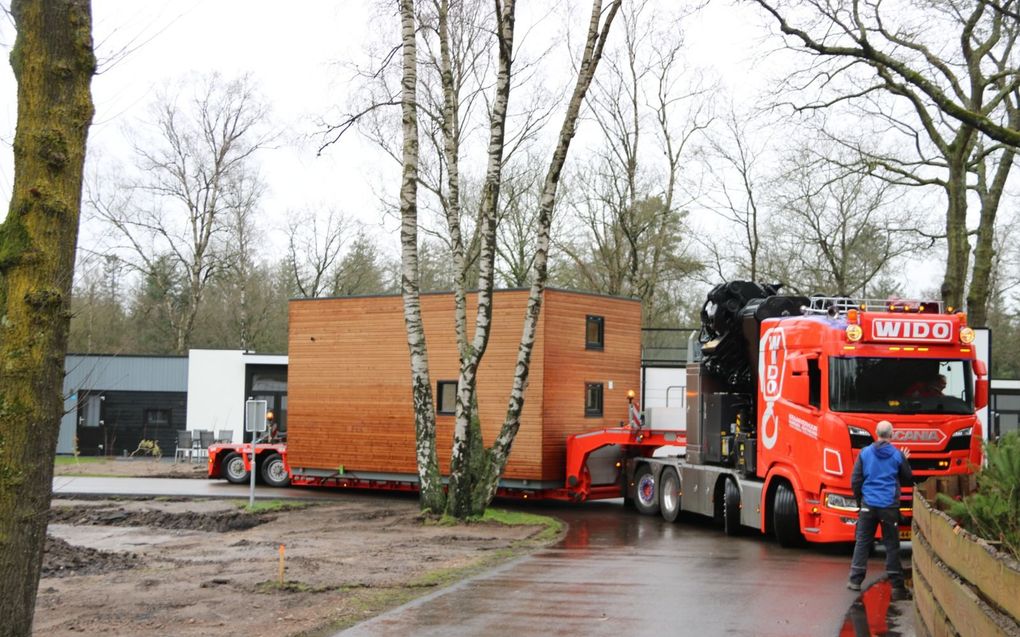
(630, 394)
(851, 316)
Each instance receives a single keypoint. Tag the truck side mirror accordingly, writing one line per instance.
(980, 384)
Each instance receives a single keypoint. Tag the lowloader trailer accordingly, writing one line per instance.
(785, 393)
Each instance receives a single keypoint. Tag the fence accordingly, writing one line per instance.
(962, 584)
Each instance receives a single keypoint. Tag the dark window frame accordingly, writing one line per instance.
(600, 343)
(169, 417)
(441, 409)
(591, 411)
(814, 383)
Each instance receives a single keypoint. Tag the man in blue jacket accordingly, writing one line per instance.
(878, 473)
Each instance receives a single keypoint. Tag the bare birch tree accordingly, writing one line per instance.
(314, 249)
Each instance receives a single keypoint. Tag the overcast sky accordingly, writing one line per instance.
(297, 57)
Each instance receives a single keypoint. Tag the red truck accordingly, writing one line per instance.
(785, 393)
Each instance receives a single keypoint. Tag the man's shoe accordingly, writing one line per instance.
(901, 593)
(854, 586)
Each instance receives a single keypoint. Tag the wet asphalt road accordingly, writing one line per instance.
(615, 573)
(620, 573)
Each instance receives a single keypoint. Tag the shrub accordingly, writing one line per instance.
(993, 511)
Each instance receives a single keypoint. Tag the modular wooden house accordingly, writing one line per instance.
(350, 381)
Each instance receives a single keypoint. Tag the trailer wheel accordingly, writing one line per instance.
(731, 508)
(785, 517)
(233, 468)
(669, 494)
(646, 496)
(273, 471)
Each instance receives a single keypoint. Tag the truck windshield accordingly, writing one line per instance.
(900, 385)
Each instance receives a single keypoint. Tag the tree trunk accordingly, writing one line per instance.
(984, 248)
(958, 248)
(431, 495)
(488, 482)
(53, 63)
(461, 479)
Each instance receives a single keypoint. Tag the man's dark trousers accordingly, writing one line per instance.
(868, 521)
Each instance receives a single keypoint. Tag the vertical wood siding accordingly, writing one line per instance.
(350, 391)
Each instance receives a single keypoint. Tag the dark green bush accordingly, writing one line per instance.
(993, 512)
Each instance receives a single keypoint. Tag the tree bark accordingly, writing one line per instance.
(53, 63)
(488, 482)
(461, 478)
(432, 497)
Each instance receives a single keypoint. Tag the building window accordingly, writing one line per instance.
(157, 417)
(593, 400)
(446, 396)
(594, 332)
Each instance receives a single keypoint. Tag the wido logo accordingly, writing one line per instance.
(771, 369)
(912, 330)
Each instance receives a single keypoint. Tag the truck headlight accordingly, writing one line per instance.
(859, 437)
(966, 431)
(841, 502)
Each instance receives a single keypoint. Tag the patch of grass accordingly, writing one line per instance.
(551, 527)
(61, 461)
(267, 506)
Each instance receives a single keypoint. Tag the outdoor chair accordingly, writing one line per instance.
(225, 436)
(184, 445)
(204, 438)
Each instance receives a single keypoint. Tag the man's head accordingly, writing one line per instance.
(884, 430)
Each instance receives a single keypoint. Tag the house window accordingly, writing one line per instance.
(157, 417)
(594, 332)
(446, 396)
(593, 400)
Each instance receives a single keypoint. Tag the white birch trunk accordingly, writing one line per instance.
(461, 480)
(500, 451)
(431, 496)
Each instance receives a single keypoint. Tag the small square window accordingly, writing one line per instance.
(446, 396)
(593, 400)
(594, 332)
(157, 417)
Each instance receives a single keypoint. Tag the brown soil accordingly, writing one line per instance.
(116, 567)
(133, 468)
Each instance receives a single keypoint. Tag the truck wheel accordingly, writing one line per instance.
(233, 468)
(646, 496)
(273, 471)
(785, 517)
(669, 494)
(731, 508)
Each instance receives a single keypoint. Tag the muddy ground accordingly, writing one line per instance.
(131, 468)
(173, 567)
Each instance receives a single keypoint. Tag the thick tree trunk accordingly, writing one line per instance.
(431, 495)
(488, 482)
(984, 248)
(957, 246)
(53, 63)
(461, 478)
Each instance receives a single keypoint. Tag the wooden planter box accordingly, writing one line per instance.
(349, 379)
(962, 585)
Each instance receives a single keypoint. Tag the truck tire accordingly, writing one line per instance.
(646, 493)
(233, 468)
(273, 472)
(731, 508)
(785, 517)
(669, 494)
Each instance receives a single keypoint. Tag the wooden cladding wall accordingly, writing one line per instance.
(570, 365)
(962, 585)
(350, 387)
(350, 382)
